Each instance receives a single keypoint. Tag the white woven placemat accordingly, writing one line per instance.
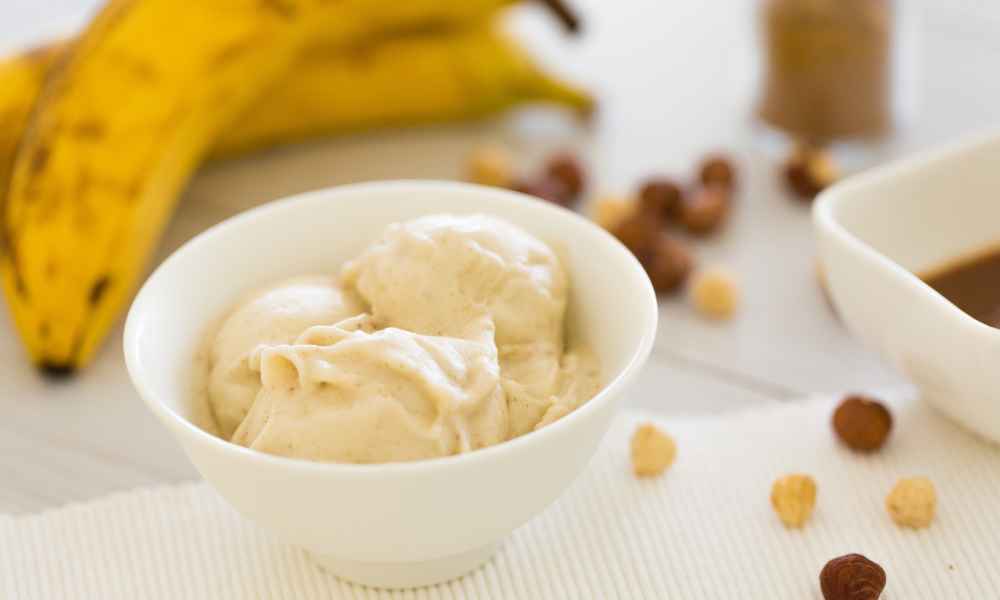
(704, 530)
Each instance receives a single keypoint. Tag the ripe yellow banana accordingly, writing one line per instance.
(126, 115)
(422, 78)
(330, 89)
(124, 119)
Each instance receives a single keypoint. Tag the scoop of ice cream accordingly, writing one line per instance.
(441, 274)
(348, 393)
(473, 277)
(276, 315)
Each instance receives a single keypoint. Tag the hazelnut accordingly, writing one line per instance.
(717, 169)
(566, 168)
(705, 209)
(491, 165)
(912, 502)
(668, 264)
(652, 451)
(714, 293)
(793, 498)
(610, 211)
(852, 577)
(662, 196)
(808, 171)
(640, 233)
(546, 188)
(862, 423)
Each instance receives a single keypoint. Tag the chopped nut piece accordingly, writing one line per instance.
(809, 171)
(717, 169)
(652, 451)
(491, 165)
(862, 423)
(567, 168)
(706, 209)
(668, 264)
(611, 211)
(662, 196)
(714, 293)
(852, 577)
(793, 498)
(912, 502)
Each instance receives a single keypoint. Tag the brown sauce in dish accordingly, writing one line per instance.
(972, 284)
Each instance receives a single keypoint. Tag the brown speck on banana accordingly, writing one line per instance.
(39, 159)
(89, 130)
(97, 290)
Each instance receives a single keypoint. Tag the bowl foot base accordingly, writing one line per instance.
(404, 575)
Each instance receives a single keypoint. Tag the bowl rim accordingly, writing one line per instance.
(327, 195)
(825, 214)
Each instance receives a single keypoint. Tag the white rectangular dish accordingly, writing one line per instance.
(877, 231)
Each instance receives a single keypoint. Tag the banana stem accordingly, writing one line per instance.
(569, 18)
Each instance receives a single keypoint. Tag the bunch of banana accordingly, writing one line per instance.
(99, 135)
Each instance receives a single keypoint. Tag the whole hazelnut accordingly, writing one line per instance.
(705, 209)
(652, 451)
(717, 169)
(793, 498)
(808, 171)
(566, 168)
(640, 233)
(490, 165)
(662, 196)
(862, 423)
(852, 577)
(714, 293)
(912, 502)
(546, 188)
(668, 264)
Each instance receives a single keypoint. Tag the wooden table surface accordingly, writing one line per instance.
(675, 79)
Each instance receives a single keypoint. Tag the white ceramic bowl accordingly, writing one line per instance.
(401, 524)
(878, 229)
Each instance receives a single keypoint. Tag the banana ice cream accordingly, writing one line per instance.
(445, 335)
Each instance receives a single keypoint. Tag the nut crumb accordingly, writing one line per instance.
(491, 165)
(652, 451)
(912, 502)
(793, 498)
(714, 293)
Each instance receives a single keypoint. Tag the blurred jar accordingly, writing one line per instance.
(828, 69)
